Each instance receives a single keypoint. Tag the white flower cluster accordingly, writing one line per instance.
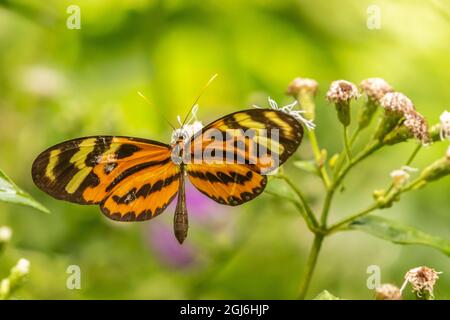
(401, 176)
(5, 234)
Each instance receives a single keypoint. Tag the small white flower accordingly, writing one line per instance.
(445, 125)
(187, 130)
(289, 109)
(375, 88)
(401, 176)
(5, 234)
(42, 80)
(447, 155)
(22, 267)
(422, 279)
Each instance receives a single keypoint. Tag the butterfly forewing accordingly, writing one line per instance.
(269, 136)
(236, 150)
(89, 170)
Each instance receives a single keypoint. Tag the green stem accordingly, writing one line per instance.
(326, 207)
(310, 265)
(378, 205)
(318, 158)
(309, 212)
(414, 154)
(315, 249)
(341, 157)
(360, 157)
(347, 145)
(329, 197)
(352, 218)
(355, 136)
(310, 223)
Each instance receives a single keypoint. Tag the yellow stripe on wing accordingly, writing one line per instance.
(246, 121)
(52, 161)
(78, 159)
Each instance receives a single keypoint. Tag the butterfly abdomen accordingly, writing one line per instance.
(180, 219)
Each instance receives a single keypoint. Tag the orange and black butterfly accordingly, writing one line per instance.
(134, 179)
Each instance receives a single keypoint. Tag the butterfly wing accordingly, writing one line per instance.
(232, 170)
(230, 184)
(131, 178)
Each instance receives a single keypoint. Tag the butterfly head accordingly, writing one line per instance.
(187, 130)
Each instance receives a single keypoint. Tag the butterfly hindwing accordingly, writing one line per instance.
(89, 170)
(145, 196)
(230, 184)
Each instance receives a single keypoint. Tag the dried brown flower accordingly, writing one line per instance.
(302, 85)
(388, 292)
(422, 280)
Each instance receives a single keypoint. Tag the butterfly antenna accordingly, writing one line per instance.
(198, 97)
(148, 102)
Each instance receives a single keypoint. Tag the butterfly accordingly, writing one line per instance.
(135, 179)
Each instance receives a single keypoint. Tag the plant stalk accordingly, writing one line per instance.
(310, 265)
(318, 158)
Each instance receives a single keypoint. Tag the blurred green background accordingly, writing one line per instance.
(57, 84)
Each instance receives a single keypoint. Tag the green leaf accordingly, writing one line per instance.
(9, 192)
(325, 295)
(399, 233)
(308, 166)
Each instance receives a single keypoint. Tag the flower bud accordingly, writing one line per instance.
(444, 133)
(5, 235)
(304, 90)
(388, 292)
(413, 126)
(19, 271)
(341, 92)
(378, 195)
(435, 133)
(5, 288)
(438, 169)
(15, 279)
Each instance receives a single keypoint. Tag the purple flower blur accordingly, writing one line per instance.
(166, 247)
(203, 211)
